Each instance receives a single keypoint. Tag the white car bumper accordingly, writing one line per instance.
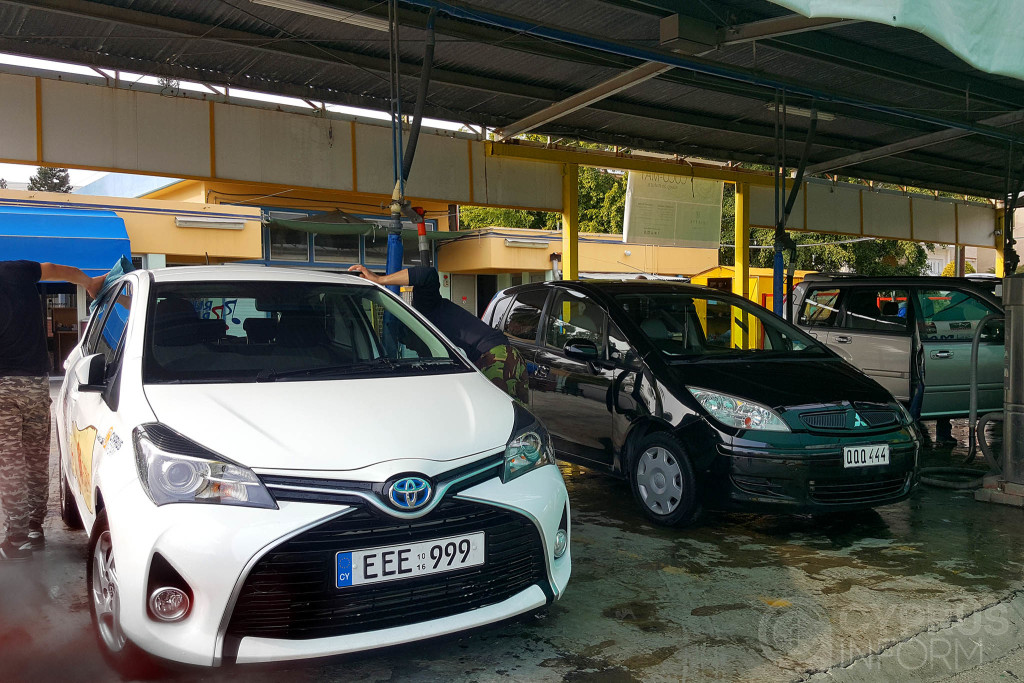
(213, 548)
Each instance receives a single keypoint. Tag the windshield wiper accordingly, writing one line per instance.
(266, 375)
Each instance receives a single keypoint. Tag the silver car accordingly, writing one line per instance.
(907, 331)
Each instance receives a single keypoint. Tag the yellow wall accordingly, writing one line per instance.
(598, 253)
(760, 279)
(151, 226)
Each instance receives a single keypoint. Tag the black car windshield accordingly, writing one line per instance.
(685, 326)
(230, 331)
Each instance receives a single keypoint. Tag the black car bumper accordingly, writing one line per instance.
(763, 478)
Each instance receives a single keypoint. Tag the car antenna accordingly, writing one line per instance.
(652, 276)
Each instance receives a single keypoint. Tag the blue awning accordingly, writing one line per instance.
(92, 241)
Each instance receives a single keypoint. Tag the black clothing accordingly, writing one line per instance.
(22, 333)
(468, 332)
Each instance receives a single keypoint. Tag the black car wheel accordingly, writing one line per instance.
(663, 481)
(68, 510)
(105, 607)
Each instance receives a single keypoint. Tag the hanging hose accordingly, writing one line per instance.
(421, 96)
(781, 235)
(976, 433)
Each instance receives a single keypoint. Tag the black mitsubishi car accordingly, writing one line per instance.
(699, 397)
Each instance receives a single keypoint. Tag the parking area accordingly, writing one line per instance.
(926, 589)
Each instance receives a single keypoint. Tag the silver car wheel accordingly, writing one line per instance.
(105, 596)
(659, 480)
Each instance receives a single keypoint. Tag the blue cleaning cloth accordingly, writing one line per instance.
(123, 265)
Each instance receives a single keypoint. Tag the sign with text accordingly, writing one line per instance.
(673, 210)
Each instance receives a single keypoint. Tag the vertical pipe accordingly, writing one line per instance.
(741, 276)
(570, 221)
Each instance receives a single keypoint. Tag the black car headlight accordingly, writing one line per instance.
(175, 469)
(528, 448)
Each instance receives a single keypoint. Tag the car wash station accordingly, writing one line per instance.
(779, 467)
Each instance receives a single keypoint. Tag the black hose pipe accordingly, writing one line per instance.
(421, 96)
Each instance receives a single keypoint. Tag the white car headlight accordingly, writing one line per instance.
(738, 412)
(528, 448)
(175, 469)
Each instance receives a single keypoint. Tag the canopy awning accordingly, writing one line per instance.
(91, 241)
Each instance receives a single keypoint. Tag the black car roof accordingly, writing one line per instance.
(613, 287)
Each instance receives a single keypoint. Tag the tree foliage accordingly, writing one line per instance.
(950, 269)
(830, 253)
(602, 197)
(50, 180)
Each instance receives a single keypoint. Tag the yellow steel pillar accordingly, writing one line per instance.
(570, 221)
(1000, 241)
(741, 276)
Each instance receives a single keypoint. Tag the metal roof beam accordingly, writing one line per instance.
(693, 36)
(583, 99)
(911, 144)
(896, 67)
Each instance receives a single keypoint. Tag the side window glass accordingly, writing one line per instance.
(876, 310)
(574, 317)
(820, 309)
(498, 311)
(92, 331)
(524, 317)
(619, 348)
(109, 338)
(950, 314)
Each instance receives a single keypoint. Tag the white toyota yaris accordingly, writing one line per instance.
(277, 464)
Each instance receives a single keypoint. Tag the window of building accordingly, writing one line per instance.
(336, 248)
(288, 245)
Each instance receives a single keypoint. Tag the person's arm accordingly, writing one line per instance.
(400, 277)
(54, 271)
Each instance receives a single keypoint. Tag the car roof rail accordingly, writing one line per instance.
(825, 277)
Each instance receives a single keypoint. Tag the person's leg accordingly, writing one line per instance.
(944, 430)
(13, 491)
(505, 368)
(35, 438)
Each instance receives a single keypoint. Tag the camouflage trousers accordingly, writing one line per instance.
(24, 451)
(507, 370)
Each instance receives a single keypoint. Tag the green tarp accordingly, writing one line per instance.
(368, 229)
(986, 34)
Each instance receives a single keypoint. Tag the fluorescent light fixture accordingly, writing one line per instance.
(210, 223)
(799, 111)
(315, 9)
(525, 244)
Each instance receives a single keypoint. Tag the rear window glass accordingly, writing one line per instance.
(524, 318)
(876, 310)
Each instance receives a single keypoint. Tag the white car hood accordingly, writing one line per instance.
(339, 424)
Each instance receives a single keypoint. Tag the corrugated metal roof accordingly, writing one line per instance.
(492, 76)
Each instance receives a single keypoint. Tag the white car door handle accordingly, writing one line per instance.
(938, 355)
(843, 339)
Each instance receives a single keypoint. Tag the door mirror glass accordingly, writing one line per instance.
(581, 349)
(91, 372)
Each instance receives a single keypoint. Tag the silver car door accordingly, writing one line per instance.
(875, 335)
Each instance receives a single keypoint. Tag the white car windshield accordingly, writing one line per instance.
(225, 331)
(691, 326)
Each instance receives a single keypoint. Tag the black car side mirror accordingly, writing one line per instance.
(582, 350)
(91, 373)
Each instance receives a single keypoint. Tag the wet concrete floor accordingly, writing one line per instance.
(736, 597)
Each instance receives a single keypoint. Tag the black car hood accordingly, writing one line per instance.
(781, 384)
